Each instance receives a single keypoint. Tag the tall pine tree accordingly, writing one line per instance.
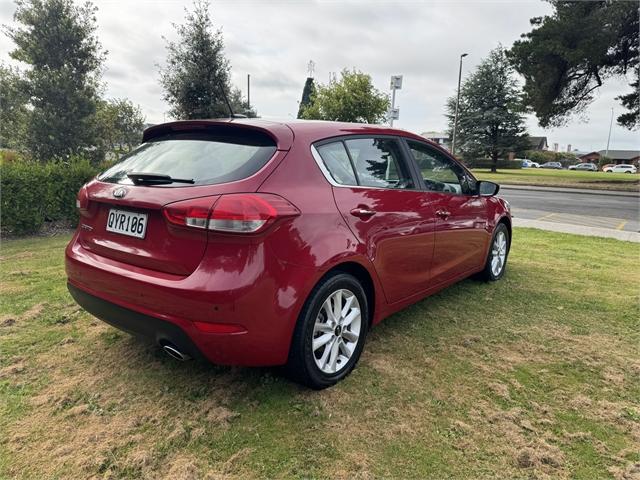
(490, 117)
(196, 75)
(308, 91)
(56, 39)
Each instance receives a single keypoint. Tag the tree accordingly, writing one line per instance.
(490, 115)
(239, 105)
(631, 102)
(353, 98)
(196, 75)
(120, 123)
(568, 55)
(57, 41)
(307, 92)
(13, 109)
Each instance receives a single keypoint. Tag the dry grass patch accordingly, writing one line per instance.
(536, 376)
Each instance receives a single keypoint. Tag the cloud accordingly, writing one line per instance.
(273, 41)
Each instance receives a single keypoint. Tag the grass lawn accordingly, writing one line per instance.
(562, 178)
(537, 375)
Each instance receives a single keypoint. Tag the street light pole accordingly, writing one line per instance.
(455, 118)
(249, 91)
(609, 137)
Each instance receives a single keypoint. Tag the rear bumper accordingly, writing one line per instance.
(260, 295)
(135, 323)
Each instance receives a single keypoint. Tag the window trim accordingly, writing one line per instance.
(451, 158)
(408, 162)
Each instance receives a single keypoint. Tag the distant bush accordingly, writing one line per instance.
(488, 163)
(604, 161)
(33, 193)
(543, 156)
(7, 155)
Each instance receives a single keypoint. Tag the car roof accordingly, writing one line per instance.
(285, 130)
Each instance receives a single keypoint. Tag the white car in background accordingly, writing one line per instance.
(529, 164)
(624, 168)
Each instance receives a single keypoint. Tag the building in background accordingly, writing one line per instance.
(440, 138)
(616, 156)
(538, 143)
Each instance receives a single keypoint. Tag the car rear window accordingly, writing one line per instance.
(206, 158)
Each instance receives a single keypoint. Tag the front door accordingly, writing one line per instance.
(461, 233)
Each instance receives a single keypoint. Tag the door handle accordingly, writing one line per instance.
(362, 213)
(444, 214)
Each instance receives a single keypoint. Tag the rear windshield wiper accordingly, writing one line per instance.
(139, 178)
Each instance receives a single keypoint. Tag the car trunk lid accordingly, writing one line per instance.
(113, 198)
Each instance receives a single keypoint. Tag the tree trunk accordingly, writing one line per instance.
(494, 162)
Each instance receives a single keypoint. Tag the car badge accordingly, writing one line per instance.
(120, 192)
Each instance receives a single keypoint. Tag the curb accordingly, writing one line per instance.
(578, 229)
(581, 191)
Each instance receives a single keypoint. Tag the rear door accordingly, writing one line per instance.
(460, 214)
(376, 193)
(125, 220)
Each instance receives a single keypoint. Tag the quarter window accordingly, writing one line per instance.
(378, 163)
(439, 172)
(336, 160)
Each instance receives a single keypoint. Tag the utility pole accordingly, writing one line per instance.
(455, 117)
(396, 84)
(248, 91)
(609, 137)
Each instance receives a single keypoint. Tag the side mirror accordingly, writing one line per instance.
(487, 189)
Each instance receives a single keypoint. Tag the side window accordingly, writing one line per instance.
(439, 172)
(335, 159)
(378, 163)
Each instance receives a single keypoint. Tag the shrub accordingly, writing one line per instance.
(7, 156)
(488, 163)
(604, 161)
(543, 156)
(33, 193)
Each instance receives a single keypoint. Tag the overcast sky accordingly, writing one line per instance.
(274, 40)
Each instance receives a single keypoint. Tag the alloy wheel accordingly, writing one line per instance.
(498, 253)
(336, 331)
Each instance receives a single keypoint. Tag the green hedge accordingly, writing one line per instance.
(33, 193)
(488, 163)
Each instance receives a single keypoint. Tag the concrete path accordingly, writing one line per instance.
(583, 212)
(577, 229)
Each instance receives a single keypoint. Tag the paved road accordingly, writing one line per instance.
(603, 211)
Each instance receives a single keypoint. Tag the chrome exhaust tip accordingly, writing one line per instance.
(173, 352)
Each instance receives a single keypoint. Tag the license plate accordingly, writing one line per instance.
(127, 223)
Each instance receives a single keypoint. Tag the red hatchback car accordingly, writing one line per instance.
(250, 242)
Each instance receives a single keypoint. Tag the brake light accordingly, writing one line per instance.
(190, 213)
(234, 213)
(82, 202)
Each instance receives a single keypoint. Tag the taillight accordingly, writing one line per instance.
(190, 213)
(82, 202)
(234, 213)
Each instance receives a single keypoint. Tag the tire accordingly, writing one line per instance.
(316, 320)
(491, 274)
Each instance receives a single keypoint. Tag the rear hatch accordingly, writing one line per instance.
(180, 167)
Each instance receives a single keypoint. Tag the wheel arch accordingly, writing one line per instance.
(363, 276)
(507, 222)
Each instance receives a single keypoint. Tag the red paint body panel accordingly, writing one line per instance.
(259, 282)
(399, 238)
